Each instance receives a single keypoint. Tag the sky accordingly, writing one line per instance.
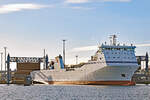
(27, 27)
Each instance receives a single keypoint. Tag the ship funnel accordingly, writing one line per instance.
(113, 40)
(60, 64)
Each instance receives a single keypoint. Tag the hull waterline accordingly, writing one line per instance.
(120, 83)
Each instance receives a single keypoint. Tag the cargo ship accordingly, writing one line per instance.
(112, 64)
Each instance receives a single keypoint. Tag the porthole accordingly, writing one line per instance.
(123, 75)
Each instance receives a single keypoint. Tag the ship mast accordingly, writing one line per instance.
(113, 40)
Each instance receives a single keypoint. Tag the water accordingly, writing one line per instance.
(74, 92)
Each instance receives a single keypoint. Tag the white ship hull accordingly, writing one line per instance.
(112, 64)
(88, 74)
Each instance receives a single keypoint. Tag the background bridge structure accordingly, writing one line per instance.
(144, 59)
(142, 75)
(25, 65)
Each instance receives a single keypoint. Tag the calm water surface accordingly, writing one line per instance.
(74, 92)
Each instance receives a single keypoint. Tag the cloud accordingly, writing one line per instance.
(19, 7)
(143, 45)
(86, 48)
(115, 0)
(87, 1)
(83, 8)
(76, 1)
(94, 47)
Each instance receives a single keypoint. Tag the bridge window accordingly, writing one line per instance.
(109, 48)
(125, 49)
(118, 48)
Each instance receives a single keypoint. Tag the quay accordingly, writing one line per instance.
(25, 65)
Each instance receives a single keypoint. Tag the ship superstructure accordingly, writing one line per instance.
(112, 64)
(115, 55)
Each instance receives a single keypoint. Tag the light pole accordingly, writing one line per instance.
(44, 60)
(1, 64)
(1, 61)
(76, 59)
(5, 59)
(64, 51)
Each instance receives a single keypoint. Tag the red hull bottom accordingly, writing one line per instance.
(121, 83)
